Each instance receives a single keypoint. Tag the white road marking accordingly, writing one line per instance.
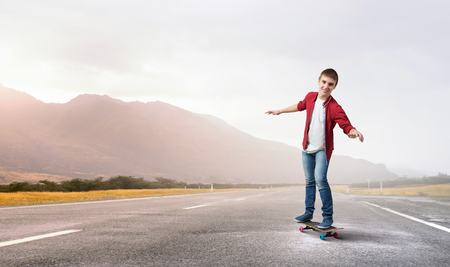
(411, 217)
(33, 238)
(77, 203)
(194, 207)
(92, 202)
(239, 199)
(100, 201)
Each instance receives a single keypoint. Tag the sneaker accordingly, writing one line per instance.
(327, 222)
(304, 218)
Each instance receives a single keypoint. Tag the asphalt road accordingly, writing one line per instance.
(245, 228)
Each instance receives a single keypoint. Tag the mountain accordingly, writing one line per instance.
(345, 170)
(94, 135)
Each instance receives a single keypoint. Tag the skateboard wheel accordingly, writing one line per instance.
(322, 236)
(301, 229)
(335, 235)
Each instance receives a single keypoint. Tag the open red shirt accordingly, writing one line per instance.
(333, 114)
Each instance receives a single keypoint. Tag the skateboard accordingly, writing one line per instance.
(327, 232)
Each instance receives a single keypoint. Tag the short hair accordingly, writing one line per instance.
(330, 73)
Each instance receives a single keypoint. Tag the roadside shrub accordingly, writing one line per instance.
(117, 182)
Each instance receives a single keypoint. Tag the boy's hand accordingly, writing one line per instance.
(292, 108)
(355, 133)
(274, 112)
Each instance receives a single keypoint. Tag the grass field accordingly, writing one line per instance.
(441, 190)
(28, 198)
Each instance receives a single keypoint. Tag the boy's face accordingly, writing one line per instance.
(326, 86)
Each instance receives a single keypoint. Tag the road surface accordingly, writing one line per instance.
(242, 228)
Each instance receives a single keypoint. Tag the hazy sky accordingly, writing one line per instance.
(237, 59)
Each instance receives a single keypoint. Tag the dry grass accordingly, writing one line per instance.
(442, 190)
(26, 198)
(17, 176)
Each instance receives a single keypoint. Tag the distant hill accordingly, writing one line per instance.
(344, 170)
(95, 135)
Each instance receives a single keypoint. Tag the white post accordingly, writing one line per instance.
(381, 187)
(212, 187)
(368, 185)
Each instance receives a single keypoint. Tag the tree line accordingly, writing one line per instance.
(117, 182)
(441, 178)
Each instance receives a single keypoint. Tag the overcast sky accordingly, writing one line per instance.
(237, 59)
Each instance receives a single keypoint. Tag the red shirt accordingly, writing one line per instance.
(333, 114)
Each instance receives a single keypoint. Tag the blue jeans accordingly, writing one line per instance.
(315, 166)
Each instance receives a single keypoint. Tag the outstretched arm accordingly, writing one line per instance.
(292, 108)
(355, 133)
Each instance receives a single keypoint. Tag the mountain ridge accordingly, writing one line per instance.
(93, 135)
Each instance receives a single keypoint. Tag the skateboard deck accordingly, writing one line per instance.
(327, 232)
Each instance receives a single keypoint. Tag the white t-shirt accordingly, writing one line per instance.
(316, 133)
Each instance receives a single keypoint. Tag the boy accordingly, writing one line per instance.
(322, 114)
